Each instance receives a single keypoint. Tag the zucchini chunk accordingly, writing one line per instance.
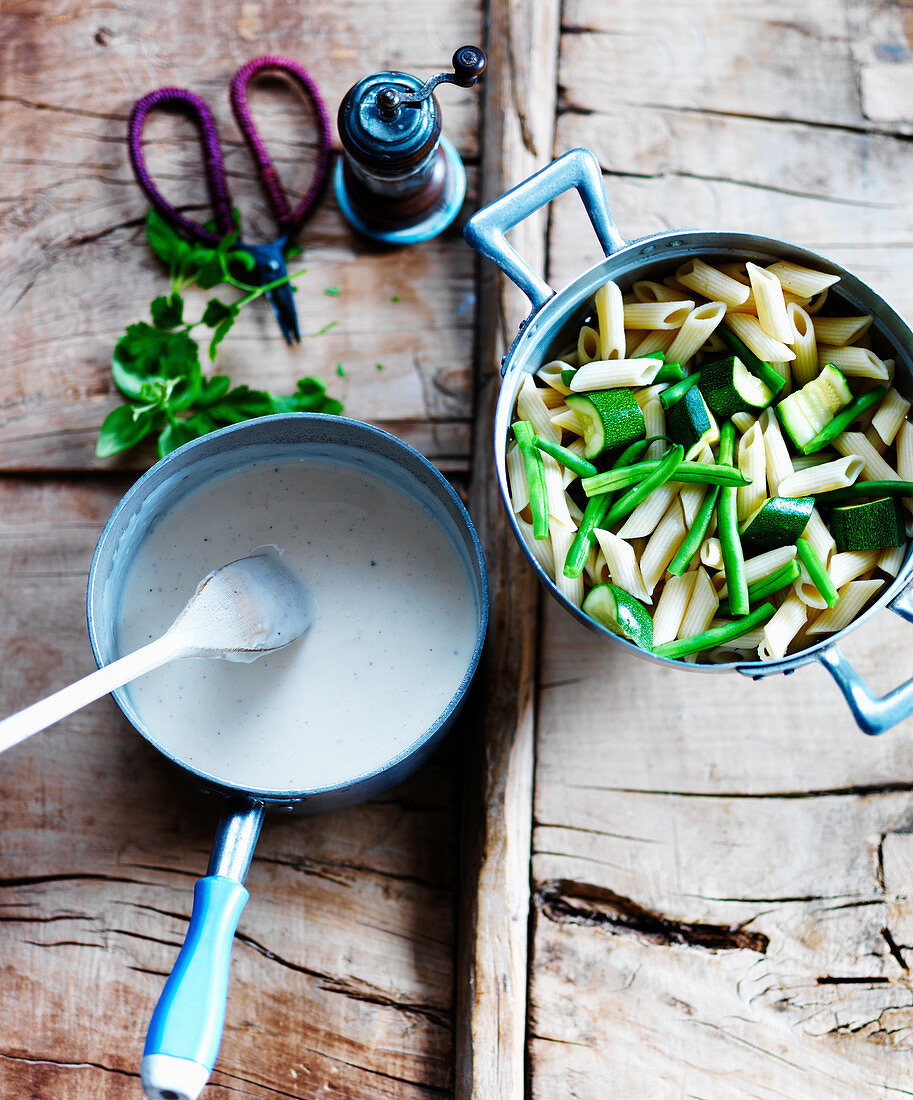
(778, 522)
(729, 387)
(804, 413)
(690, 423)
(610, 419)
(871, 525)
(618, 611)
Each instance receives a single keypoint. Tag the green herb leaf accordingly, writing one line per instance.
(222, 330)
(213, 390)
(165, 242)
(210, 273)
(167, 312)
(339, 370)
(123, 428)
(216, 312)
(326, 328)
(333, 291)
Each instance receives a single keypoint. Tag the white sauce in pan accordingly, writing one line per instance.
(393, 635)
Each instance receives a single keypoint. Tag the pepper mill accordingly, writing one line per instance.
(400, 181)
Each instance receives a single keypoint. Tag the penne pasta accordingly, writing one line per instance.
(875, 468)
(711, 553)
(658, 340)
(712, 283)
(892, 559)
(702, 606)
(605, 374)
(657, 315)
(839, 331)
(569, 587)
(655, 424)
(550, 374)
(771, 306)
(587, 345)
(643, 520)
(853, 597)
(532, 409)
(610, 311)
(778, 464)
(861, 362)
(516, 475)
(670, 608)
(753, 465)
(662, 545)
(890, 415)
(647, 291)
(749, 331)
(801, 280)
(779, 631)
(851, 564)
(805, 365)
(622, 564)
(824, 478)
(698, 326)
(818, 534)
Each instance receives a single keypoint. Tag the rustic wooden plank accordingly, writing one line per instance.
(80, 272)
(492, 968)
(720, 868)
(342, 976)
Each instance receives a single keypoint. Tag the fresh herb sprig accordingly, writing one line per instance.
(157, 366)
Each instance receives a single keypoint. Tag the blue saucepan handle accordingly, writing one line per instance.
(186, 1029)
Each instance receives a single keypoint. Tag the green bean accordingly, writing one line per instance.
(596, 508)
(700, 473)
(663, 473)
(866, 489)
(771, 378)
(842, 420)
(670, 372)
(716, 635)
(673, 393)
(766, 586)
(817, 572)
(575, 462)
(731, 547)
(660, 355)
(696, 534)
(538, 493)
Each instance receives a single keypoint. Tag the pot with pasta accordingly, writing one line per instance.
(704, 446)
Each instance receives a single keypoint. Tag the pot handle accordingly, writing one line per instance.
(186, 1028)
(873, 713)
(486, 228)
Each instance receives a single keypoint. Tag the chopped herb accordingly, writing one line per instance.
(380, 366)
(395, 298)
(333, 291)
(326, 328)
(339, 370)
(157, 366)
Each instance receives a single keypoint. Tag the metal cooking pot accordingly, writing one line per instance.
(556, 317)
(186, 1028)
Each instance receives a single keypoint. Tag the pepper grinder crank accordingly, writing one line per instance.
(400, 181)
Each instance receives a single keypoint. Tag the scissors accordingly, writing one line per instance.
(269, 258)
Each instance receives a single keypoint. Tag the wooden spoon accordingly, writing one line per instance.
(249, 607)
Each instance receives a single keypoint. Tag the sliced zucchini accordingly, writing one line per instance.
(610, 419)
(729, 387)
(778, 522)
(804, 413)
(690, 423)
(871, 525)
(617, 610)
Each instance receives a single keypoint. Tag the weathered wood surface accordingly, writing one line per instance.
(518, 125)
(75, 269)
(343, 969)
(722, 870)
(342, 972)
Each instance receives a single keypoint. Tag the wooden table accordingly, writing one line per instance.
(612, 882)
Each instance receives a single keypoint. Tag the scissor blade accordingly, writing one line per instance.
(283, 306)
(270, 267)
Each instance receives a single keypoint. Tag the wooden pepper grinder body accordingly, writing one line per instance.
(399, 180)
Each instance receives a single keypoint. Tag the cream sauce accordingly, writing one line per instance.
(392, 638)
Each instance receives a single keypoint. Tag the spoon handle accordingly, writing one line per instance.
(45, 712)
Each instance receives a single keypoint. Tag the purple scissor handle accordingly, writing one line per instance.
(269, 257)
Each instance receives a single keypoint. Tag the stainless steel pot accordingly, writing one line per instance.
(186, 1028)
(556, 317)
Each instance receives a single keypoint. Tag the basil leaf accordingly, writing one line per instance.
(167, 312)
(222, 330)
(216, 312)
(124, 427)
(213, 389)
(165, 242)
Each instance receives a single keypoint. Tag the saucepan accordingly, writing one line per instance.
(556, 317)
(184, 1036)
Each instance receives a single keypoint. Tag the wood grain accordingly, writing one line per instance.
(342, 974)
(721, 889)
(491, 1014)
(74, 269)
